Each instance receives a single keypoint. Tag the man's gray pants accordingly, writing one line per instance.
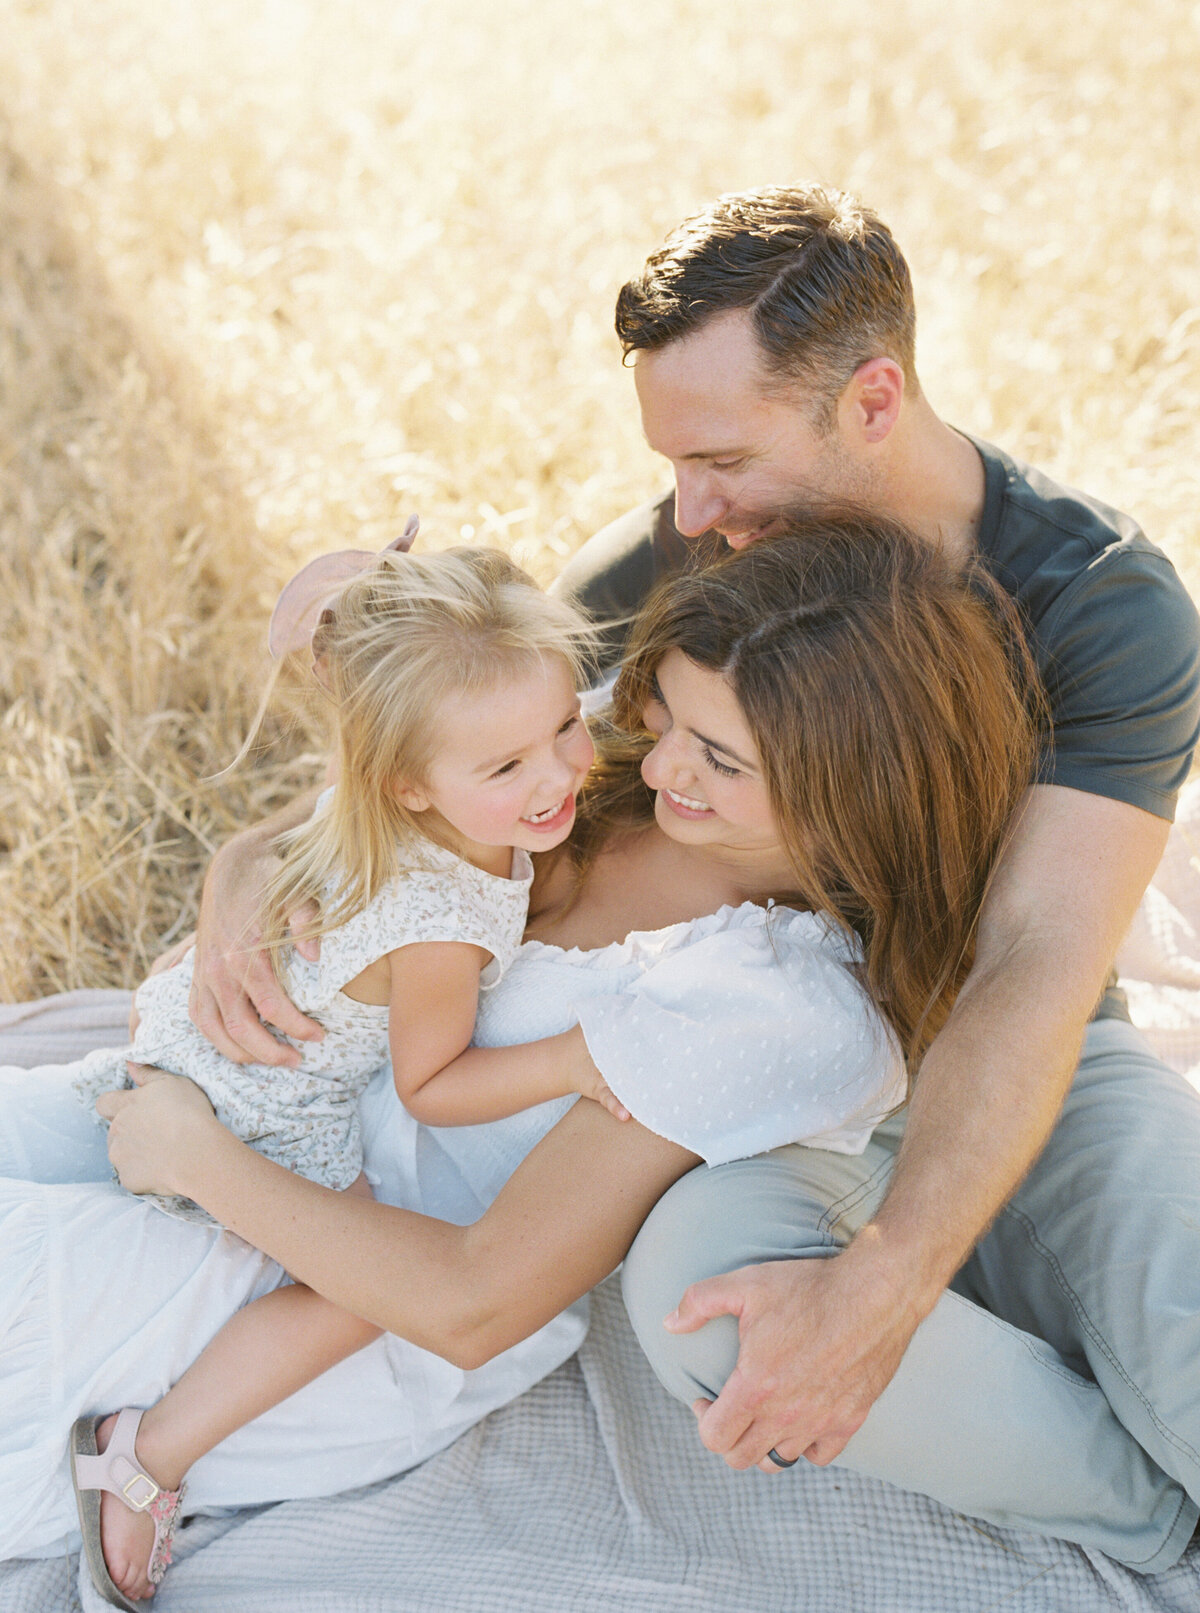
(1056, 1386)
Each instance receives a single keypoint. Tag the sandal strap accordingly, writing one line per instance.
(118, 1471)
(165, 1512)
(117, 1468)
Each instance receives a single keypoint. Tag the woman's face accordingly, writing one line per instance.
(705, 768)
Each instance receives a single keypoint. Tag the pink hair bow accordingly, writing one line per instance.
(315, 587)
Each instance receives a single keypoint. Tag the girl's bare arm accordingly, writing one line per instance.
(443, 1081)
(563, 1221)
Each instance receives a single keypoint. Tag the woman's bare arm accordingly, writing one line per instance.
(234, 988)
(563, 1221)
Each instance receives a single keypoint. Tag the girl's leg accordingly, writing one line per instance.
(981, 1416)
(106, 1302)
(263, 1354)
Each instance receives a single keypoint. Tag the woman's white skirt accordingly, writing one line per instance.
(105, 1300)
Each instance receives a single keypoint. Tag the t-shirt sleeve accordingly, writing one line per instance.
(746, 1040)
(610, 577)
(1123, 682)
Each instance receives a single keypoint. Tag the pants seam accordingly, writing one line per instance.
(1094, 1333)
(850, 1200)
(1137, 1562)
(1029, 1345)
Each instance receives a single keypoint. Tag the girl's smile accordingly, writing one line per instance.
(553, 818)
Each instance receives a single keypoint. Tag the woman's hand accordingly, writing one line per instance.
(156, 1129)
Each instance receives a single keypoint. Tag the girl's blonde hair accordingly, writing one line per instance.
(896, 710)
(389, 649)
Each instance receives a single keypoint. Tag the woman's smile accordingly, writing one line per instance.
(686, 806)
(703, 739)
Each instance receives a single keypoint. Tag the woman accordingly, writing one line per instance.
(833, 720)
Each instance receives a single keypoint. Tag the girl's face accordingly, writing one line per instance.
(705, 768)
(508, 763)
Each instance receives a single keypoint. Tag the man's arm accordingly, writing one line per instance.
(821, 1339)
(611, 575)
(234, 988)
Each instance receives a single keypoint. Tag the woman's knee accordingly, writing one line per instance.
(710, 1222)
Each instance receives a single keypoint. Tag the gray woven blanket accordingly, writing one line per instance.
(590, 1492)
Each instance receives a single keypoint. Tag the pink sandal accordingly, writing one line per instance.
(119, 1472)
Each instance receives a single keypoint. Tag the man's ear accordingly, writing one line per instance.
(870, 404)
(413, 798)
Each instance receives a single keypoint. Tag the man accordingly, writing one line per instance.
(772, 348)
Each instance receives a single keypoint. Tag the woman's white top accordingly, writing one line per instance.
(730, 1034)
(746, 1031)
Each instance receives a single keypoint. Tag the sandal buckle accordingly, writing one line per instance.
(145, 1497)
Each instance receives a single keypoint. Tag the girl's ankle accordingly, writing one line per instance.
(156, 1453)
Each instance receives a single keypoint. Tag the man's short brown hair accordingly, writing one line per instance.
(821, 276)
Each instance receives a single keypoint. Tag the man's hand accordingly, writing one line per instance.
(820, 1341)
(153, 1127)
(234, 989)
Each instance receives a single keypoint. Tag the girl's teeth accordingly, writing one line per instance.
(550, 812)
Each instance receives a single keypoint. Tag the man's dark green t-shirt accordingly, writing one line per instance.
(1114, 632)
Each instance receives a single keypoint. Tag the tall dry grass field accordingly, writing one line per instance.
(275, 273)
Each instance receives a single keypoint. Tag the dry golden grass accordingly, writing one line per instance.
(274, 273)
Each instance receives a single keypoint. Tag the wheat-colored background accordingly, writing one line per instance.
(275, 272)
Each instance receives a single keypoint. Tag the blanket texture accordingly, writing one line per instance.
(592, 1492)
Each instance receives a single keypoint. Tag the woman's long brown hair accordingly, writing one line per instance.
(896, 711)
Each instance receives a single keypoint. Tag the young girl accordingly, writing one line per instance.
(461, 748)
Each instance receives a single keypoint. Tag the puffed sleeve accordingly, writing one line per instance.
(749, 1038)
(450, 900)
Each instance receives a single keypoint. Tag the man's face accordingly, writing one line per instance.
(740, 452)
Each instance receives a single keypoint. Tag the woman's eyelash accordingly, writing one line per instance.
(507, 768)
(718, 767)
(723, 768)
